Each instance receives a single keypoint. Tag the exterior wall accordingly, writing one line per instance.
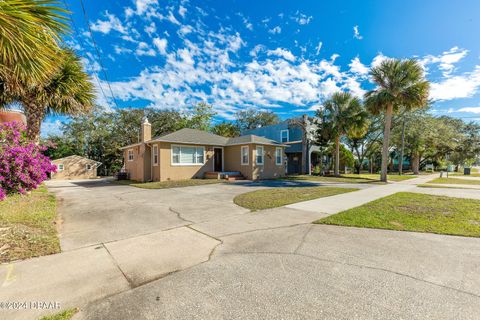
(273, 132)
(233, 160)
(182, 172)
(135, 167)
(75, 168)
(269, 169)
(10, 115)
(156, 168)
(254, 171)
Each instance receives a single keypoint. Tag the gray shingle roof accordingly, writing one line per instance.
(194, 136)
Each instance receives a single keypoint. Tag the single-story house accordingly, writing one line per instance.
(190, 153)
(75, 167)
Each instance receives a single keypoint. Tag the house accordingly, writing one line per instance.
(12, 115)
(75, 167)
(289, 132)
(190, 153)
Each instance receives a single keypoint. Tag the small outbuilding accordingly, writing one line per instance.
(75, 167)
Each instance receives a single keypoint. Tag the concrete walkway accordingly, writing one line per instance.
(345, 201)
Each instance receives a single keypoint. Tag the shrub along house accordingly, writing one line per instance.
(190, 153)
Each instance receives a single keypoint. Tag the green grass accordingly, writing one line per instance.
(455, 181)
(277, 197)
(27, 226)
(351, 178)
(64, 315)
(414, 212)
(169, 184)
(476, 175)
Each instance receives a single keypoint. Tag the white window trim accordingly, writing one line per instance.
(256, 155)
(186, 164)
(86, 167)
(128, 155)
(155, 164)
(288, 135)
(248, 155)
(213, 162)
(281, 156)
(58, 166)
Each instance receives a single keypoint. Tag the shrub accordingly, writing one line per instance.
(22, 165)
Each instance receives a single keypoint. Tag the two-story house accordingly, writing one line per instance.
(289, 132)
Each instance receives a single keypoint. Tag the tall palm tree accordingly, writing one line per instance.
(400, 83)
(29, 34)
(343, 114)
(68, 90)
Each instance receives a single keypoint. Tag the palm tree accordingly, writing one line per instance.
(400, 84)
(30, 32)
(68, 90)
(343, 114)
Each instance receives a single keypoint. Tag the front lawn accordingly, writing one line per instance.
(476, 175)
(455, 181)
(414, 212)
(390, 177)
(277, 197)
(27, 226)
(168, 184)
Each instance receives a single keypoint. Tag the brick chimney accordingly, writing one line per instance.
(146, 132)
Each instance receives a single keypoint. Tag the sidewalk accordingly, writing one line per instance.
(345, 201)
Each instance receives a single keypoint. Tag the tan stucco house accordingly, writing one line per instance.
(75, 167)
(190, 153)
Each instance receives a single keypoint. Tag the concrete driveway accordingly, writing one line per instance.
(190, 253)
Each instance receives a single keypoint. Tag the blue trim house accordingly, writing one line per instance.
(290, 134)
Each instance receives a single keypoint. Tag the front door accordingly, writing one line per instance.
(217, 159)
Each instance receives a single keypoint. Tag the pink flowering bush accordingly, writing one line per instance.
(22, 165)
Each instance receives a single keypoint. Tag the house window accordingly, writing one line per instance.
(155, 155)
(130, 155)
(278, 156)
(260, 155)
(284, 136)
(89, 167)
(245, 159)
(60, 167)
(188, 155)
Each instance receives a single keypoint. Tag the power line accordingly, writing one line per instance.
(75, 29)
(98, 52)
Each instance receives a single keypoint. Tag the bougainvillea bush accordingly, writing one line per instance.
(22, 165)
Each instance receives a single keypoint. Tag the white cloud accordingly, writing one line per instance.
(51, 128)
(151, 28)
(356, 33)
(469, 110)
(111, 23)
(319, 47)
(357, 67)
(275, 30)
(446, 61)
(144, 50)
(142, 7)
(286, 54)
(161, 45)
(301, 18)
(181, 11)
(452, 87)
(121, 50)
(379, 58)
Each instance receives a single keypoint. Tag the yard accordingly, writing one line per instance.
(277, 197)
(455, 181)
(27, 226)
(168, 184)
(64, 315)
(414, 212)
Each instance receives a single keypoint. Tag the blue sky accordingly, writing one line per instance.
(284, 56)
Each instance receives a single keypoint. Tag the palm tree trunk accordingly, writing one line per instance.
(416, 163)
(386, 142)
(402, 148)
(337, 156)
(34, 115)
